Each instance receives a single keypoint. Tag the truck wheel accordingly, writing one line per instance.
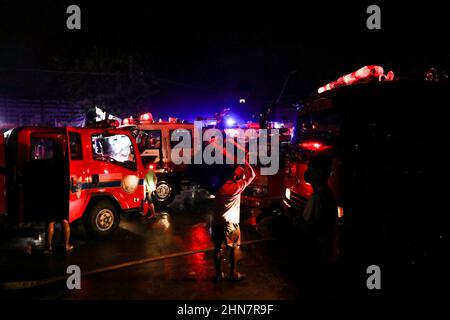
(165, 192)
(102, 219)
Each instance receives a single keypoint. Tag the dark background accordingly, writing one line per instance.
(193, 58)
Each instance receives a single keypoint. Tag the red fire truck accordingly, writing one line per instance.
(155, 147)
(91, 174)
(317, 130)
(389, 142)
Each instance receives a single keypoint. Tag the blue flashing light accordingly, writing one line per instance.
(230, 122)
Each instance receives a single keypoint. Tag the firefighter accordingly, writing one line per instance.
(320, 225)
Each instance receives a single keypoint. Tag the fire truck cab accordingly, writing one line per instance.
(88, 174)
(155, 147)
(388, 141)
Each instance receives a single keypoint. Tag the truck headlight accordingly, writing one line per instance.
(288, 193)
(340, 212)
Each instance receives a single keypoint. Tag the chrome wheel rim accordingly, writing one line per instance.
(105, 219)
(163, 191)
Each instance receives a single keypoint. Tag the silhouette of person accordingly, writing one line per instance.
(320, 224)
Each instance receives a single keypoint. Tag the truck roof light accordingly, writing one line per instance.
(364, 74)
(147, 117)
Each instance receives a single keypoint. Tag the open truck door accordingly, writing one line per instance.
(36, 163)
(44, 180)
(2, 177)
(77, 173)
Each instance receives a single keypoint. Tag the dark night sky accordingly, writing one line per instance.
(207, 54)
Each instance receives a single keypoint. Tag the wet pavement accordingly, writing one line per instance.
(275, 266)
(183, 227)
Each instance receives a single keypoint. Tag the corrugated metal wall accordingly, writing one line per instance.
(25, 112)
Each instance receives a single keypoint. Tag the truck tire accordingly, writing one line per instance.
(165, 192)
(102, 219)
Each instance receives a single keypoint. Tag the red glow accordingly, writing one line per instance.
(198, 239)
(313, 146)
(365, 73)
(340, 212)
(390, 76)
(151, 166)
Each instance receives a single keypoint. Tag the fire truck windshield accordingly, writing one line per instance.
(318, 126)
(117, 149)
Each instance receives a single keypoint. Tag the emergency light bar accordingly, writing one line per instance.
(364, 74)
(146, 118)
(128, 121)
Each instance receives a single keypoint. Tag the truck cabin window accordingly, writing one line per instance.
(76, 152)
(149, 145)
(42, 148)
(117, 149)
(150, 139)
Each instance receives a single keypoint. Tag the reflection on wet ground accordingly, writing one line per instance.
(185, 226)
(276, 269)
